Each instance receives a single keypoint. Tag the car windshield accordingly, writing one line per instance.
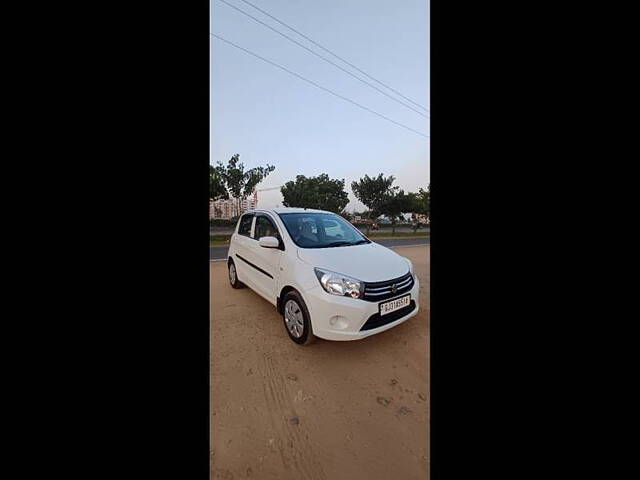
(321, 230)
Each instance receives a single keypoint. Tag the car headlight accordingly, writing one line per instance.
(338, 284)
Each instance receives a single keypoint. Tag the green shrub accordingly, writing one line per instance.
(222, 222)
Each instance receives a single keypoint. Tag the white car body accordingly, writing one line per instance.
(271, 272)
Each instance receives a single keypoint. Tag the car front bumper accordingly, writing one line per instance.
(342, 318)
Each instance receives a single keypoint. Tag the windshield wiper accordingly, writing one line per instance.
(343, 243)
(338, 244)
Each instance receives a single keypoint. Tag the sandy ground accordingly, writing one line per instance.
(331, 410)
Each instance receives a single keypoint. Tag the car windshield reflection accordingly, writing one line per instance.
(321, 230)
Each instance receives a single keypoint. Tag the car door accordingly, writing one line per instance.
(242, 251)
(266, 260)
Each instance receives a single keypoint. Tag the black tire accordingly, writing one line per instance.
(307, 336)
(233, 278)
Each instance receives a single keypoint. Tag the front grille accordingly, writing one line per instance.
(376, 320)
(377, 291)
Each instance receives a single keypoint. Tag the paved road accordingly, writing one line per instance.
(217, 253)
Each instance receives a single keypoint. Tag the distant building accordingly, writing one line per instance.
(226, 209)
(251, 202)
(222, 208)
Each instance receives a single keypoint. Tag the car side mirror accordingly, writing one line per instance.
(269, 242)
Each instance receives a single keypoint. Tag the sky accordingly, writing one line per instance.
(268, 116)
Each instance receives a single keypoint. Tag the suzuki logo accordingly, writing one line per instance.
(394, 288)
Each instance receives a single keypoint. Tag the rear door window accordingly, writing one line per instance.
(245, 225)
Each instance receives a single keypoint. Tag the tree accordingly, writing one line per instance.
(373, 191)
(346, 215)
(427, 196)
(240, 184)
(394, 205)
(420, 203)
(423, 200)
(217, 189)
(414, 203)
(321, 192)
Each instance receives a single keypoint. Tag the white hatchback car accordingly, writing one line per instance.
(324, 276)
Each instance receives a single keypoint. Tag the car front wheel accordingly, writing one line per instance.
(296, 319)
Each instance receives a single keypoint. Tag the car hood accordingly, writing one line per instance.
(369, 262)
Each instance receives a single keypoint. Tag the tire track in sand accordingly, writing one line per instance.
(295, 449)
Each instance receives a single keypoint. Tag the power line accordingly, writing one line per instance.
(333, 54)
(317, 86)
(321, 57)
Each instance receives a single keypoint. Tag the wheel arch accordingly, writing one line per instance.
(286, 289)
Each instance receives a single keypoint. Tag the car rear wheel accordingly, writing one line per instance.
(296, 319)
(233, 276)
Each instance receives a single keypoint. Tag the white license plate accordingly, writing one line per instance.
(393, 305)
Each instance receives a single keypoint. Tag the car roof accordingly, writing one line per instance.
(288, 210)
